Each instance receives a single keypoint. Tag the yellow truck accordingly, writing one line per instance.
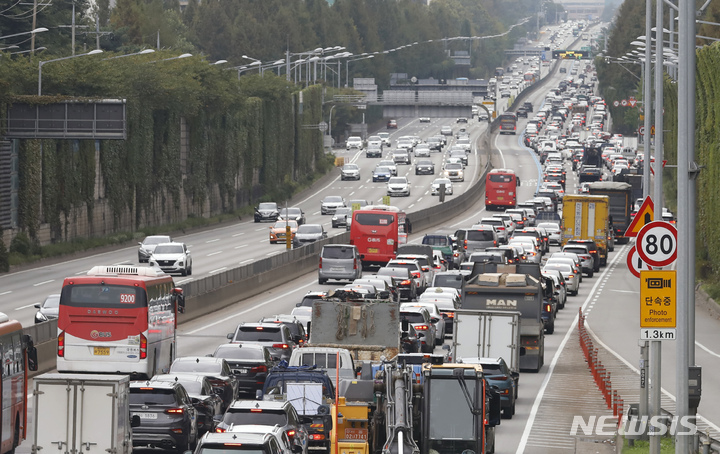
(587, 217)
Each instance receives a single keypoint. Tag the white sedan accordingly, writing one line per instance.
(435, 187)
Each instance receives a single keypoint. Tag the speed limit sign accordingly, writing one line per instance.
(657, 243)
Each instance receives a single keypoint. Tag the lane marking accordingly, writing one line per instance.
(241, 246)
(212, 241)
(43, 283)
(218, 270)
(556, 358)
(214, 253)
(238, 234)
(6, 293)
(25, 307)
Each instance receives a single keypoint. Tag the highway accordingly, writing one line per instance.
(611, 304)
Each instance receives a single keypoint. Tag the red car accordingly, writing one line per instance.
(392, 124)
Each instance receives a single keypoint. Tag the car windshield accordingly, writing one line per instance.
(333, 199)
(237, 351)
(397, 180)
(394, 272)
(447, 280)
(424, 162)
(412, 317)
(51, 301)
(549, 226)
(435, 240)
(310, 228)
(169, 249)
(382, 170)
(575, 250)
(350, 167)
(480, 235)
(343, 210)
(290, 211)
(558, 266)
(283, 224)
(156, 239)
(444, 181)
(453, 166)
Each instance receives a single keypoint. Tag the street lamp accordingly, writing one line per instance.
(347, 62)
(41, 63)
(37, 49)
(219, 62)
(37, 30)
(142, 52)
(9, 47)
(173, 58)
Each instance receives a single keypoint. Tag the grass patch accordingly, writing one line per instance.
(667, 446)
(712, 289)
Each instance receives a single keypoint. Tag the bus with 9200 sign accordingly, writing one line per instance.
(118, 319)
(377, 231)
(501, 189)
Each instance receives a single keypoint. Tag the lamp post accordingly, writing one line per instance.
(347, 62)
(173, 58)
(142, 52)
(41, 63)
(37, 30)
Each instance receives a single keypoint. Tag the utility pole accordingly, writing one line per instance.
(32, 37)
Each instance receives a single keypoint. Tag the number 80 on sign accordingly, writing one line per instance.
(657, 243)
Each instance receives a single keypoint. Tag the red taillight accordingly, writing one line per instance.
(143, 347)
(219, 430)
(320, 263)
(316, 437)
(571, 275)
(290, 433)
(354, 264)
(61, 345)
(175, 411)
(425, 268)
(593, 252)
(548, 307)
(283, 346)
(501, 228)
(416, 273)
(257, 369)
(421, 327)
(256, 410)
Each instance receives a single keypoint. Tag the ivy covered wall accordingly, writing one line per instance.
(200, 142)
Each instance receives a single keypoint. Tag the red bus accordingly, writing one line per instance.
(18, 357)
(377, 230)
(508, 123)
(119, 320)
(501, 189)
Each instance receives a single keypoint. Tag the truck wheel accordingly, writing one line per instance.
(322, 281)
(591, 273)
(550, 328)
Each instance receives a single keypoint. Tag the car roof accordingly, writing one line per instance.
(259, 404)
(234, 438)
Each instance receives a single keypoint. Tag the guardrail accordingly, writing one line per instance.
(221, 290)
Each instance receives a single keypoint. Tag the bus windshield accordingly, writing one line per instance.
(374, 219)
(105, 296)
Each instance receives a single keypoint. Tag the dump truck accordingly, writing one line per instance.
(587, 217)
(517, 290)
(621, 205)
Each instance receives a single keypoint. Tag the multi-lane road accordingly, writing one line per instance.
(611, 299)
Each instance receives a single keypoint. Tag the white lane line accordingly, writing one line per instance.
(264, 303)
(241, 246)
(353, 192)
(80, 273)
(238, 234)
(553, 363)
(6, 293)
(623, 291)
(212, 241)
(124, 262)
(707, 349)
(246, 261)
(183, 281)
(218, 270)
(260, 229)
(25, 307)
(214, 253)
(43, 283)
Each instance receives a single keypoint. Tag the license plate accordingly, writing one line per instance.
(242, 371)
(356, 434)
(101, 351)
(501, 198)
(372, 250)
(146, 415)
(337, 269)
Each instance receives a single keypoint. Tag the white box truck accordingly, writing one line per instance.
(85, 413)
(487, 334)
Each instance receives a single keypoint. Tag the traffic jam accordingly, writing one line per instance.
(392, 348)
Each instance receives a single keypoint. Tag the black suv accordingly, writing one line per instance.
(168, 419)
